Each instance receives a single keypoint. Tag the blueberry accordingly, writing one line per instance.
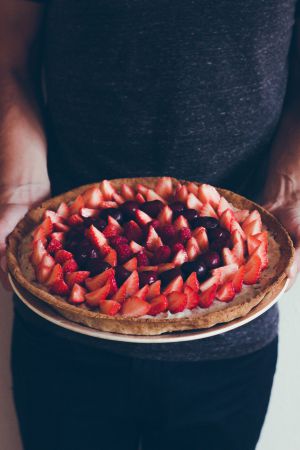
(218, 233)
(115, 213)
(147, 277)
(211, 259)
(121, 274)
(129, 208)
(206, 222)
(96, 266)
(169, 275)
(190, 214)
(152, 208)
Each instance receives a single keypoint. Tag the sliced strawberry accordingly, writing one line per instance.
(76, 206)
(177, 301)
(192, 187)
(166, 215)
(253, 269)
(128, 288)
(238, 279)
(239, 252)
(152, 195)
(127, 192)
(225, 272)
(193, 202)
(226, 292)
(154, 290)
(208, 211)
(107, 189)
(207, 284)
(174, 285)
(61, 227)
(140, 198)
(59, 287)
(111, 231)
(192, 282)
(39, 235)
(59, 235)
(200, 235)
(111, 281)
(76, 277)
(229, 257)
(261, 252)
(118, 198)
(44, 268)
(193, 297)
(89, 212)
(147, 268)
(98, 239)
(262, 237)
(181, 194)
(44, 230)
(99, 280)
(109, 307)
(133, 231)
(163, 267)
(237, 237)
(153, 241)
(77, 295)
(241, 215)
(142, 189)
(131, 264)
(38, 252)
(94, 298)
(142, 293)
(63, 210)
(74, 219)
(164, 187)
(180, 258)
(192, 249)
(142, 217)
(226, 219)
(53, 216)
(254, 215)
(61, 256)
(135, 247)
(208, 194)
(252, 228)
(222, 206)
(207, 297)
(108, 204)
(92, 197)
(235, 226)
(252, 244)
(135, 307)
(70, 266)
(55, 275)
(180, 222)
(158, 304)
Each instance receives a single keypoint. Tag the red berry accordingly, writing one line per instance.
(53, 246)
(184, 235)
(168, 233)
(70, 266)
(142, 259)
(162, 254)
(124, 252)
(117, 240)
(59, 287)
(177, 247)
(61, 256)
(133, 231)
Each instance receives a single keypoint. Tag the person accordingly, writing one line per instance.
(205, 91)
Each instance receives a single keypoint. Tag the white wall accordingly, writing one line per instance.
(281, 430)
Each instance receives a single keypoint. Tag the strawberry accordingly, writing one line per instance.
(208, 194)
(177, 247)
(177, 301)
(164, 187)
(128, 288)
(180, 222)
(192, 187)
(107, 189)
(226, 219)
(108, 204)
(53, 216)
(180, 258)
(99, 280)
(163, 267)
(59, 287)
(38, 252)
(168, 233)
(133, 231)
(252, 270)
(76, 206)
(152, 195)
(98, 239)
(225, 272)
(135, 307)
(135, 247)
(261, 252)
(111, 231)
(154, 290)
(174, 285)
(226, 292)
(131, 264)
(142, 189)
(58, 235)
(254, 215)
(55, 275)
(61, 256)
(109, 307)
(165, 216)
(262, 237)
(235, 226)
(127, 192)
(124, 253)
(93, 298)
(238, 251)
(77, 295)
(192, 282)
(207, 297)
(153, 241)
(208, 211)
(118, 198)
(70, 266)
(200, 235)
(241, 215)
(158, 304)
(89, 212)
(183, 235)
(44, 268)
(63, 210)
(207, 284)
(238, 278)
(147, 268)
(92, 197)
(252, 244)
(252, 228)
(116, 240)
(76, 277)
(139, 198)
(61, 227)
(74, 219)
(53, 246)
(142, 258)
(237, 237)
(193, 202)
(222, 206)
(193, 297)
(142, 293)
(111, 281)
(43, 230)
(228, 256)
(142, 217)
(39, 235)
(162, 254)
(181, 194)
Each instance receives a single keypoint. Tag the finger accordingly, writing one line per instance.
(293, 271)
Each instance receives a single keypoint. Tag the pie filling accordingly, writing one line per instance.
(171, 250)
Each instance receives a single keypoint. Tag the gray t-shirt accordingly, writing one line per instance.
(192, 89)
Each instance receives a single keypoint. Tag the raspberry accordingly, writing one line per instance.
(124, 252)
(53, 246)
(176, 247)
(155, 223)
(61, 256)
(162, 254)
(142, 259)
(117, 240)
(168, 233)
(184, 235)
(70, 266)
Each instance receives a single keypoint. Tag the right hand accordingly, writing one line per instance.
(14, 203)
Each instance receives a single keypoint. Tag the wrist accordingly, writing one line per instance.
(282, 187)
(26, 194)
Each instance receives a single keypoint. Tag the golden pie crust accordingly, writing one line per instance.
(239, 307)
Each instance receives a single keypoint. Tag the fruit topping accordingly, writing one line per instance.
(152, 208)
(147, 277)
(177, 301)
(135, 307)
(158, 304)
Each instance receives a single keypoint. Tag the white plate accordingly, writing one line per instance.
(43, 310)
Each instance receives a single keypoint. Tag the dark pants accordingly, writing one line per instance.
(94, 400)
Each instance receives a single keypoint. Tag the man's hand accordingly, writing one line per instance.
(15, 202)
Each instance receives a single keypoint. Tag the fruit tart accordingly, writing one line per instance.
(147, 256)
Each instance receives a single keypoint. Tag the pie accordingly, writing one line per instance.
(145, 256)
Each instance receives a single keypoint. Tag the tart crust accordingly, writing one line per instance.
(239, 307)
